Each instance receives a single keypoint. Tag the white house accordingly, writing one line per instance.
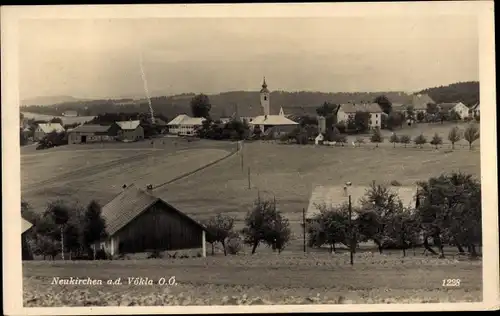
(461, 109)
(45, 128)
(70, 113)
(348, 111)
(185, 125)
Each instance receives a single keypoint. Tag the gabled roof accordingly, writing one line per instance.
(25, 225)
(178, 119)
(51, 127)
(129, 204)
(420, 101)
(184, 119)
(91, 128)
(128, 125)
(272, 120)
(475, 106)
(336, 196)
(368, 107)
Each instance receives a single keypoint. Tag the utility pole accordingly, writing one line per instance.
(351, 234)
(249, 178)
(304, 227)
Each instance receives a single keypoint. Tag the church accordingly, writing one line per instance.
(267, 122)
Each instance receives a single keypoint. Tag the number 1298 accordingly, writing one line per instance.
(451, 282)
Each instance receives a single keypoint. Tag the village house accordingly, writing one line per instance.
(475, 111)
(129, 131)
(336, 196)
(26, 253)
(348, 111)
(184, 125)
(46, 128)
(419, 103)
(461, 109)
(138, 222)
(90, 134)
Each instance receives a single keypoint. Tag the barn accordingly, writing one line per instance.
(46, 128)
(89, 134)
(25, 228)
(138, 222)
(130, 131)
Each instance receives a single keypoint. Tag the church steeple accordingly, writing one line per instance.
(264, 86)
(264, 98)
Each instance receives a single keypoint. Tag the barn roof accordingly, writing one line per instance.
(91, 128)
(300, 111)
(272, 120)
(447, 106)
(178, 119)
(128, 125)
(25, 225)
(51, 127)
(129, 204)
(336, 196)
(353, 108)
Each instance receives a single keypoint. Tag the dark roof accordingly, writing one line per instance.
(91, 129)
(25, 225)
(128, 205)
(353, 108)
(300, 111)
(447, 106)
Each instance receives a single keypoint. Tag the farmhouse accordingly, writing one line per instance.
(185, 125)
(137, 222)
(89, 134)
(129, 131)
(475, 110)
(461, 109)
(338, 195)
(420, 101)
(26, 226)
(348, 111)
(45, 128)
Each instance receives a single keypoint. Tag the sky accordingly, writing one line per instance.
(100, 58)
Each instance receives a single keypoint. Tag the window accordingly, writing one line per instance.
(376, 115)
(376, 122)
(265, 98)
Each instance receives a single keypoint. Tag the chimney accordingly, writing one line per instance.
(149, 188)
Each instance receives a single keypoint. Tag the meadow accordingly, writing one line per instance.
(286, 278)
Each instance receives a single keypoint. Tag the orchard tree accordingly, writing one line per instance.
(436, 140)
(94, 226)
(403, 228)
(410, 113)
(420, 140)
(454, 136)
(360, 140)
(362, 120)
(376, 137)
(395, 119)
(471, 134)
(219, 229)
(420, 116)
(404, 139)
(200, 106)
(265, 224)
(59, 212)
(394, 139)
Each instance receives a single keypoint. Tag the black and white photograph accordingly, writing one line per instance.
(286, 156)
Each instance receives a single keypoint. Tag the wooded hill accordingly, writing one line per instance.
(224, 104)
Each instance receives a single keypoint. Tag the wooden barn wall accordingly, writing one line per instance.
(158, 228)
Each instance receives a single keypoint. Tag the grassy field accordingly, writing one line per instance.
(86, 172)
(259, 279)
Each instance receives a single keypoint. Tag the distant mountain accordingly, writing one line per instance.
(51, 100)
(465, 92)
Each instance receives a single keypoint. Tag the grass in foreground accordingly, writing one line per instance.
(257, 279)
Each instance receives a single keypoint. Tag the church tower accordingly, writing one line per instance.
(264, 98)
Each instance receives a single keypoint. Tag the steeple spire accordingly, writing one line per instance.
(264, 84)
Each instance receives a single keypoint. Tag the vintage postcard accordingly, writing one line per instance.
(249, 158)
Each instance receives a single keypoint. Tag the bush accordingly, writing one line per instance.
(234, 245)
(101, 254)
